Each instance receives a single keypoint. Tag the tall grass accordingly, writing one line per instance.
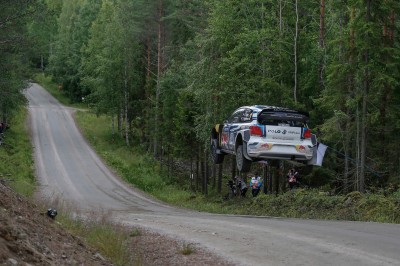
(112, 241)
(134, 167)
(16, 161)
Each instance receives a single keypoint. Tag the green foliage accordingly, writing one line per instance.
(359, 57)
(135, 169)
(209, 57)
(187, 249)
(16, 163)
(73, 33)
(13, 52)
(135, 232)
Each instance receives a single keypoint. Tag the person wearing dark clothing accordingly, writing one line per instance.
(3, 127)
(242, 186)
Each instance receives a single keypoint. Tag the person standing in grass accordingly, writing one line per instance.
(255, 184)
(292, 177)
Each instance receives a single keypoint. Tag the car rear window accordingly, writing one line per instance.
(282, 118)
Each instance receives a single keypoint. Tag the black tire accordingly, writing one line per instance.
(217, 157)
(243, 164)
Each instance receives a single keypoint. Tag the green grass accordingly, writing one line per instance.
(112, 241)
(135, 232)
(187, 249)
(16, 161)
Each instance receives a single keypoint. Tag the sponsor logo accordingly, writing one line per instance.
(274, 131)
(283, 132)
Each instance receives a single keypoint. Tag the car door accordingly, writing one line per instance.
(234, 127)
(228, 131)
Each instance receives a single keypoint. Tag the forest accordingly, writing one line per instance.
(166, 71)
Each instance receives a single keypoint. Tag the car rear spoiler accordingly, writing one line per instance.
(283, 114)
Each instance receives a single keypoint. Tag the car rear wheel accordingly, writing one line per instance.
(217, 157)
(242, 163)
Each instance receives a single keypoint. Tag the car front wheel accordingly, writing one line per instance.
(242, 163)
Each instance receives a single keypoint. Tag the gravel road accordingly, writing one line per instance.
(68, 168)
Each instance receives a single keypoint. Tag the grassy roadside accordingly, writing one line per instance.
(16, 162)
(137, 168)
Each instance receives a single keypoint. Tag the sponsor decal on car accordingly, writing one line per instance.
(282, 138)
(266, 146)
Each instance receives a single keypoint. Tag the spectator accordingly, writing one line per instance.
(3, 127)
(292, 177)
(255, 184)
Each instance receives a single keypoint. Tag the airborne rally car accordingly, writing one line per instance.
(259, 132)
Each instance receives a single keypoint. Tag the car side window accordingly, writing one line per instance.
(235, 118)
(246, 116)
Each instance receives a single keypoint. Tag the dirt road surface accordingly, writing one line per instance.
(68, 168)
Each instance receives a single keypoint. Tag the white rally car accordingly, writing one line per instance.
(259, 132)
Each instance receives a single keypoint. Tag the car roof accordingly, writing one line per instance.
(271, 108)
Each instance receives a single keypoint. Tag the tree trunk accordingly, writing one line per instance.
(214, 175)
(322, 44)
(347, 141)
(197, 170)
(220, 168)
(392, 28)
(348, 131)
(202, 174)
(364, 114)
(113, 127)
(233, 167)
(191, 173)
(296, 36)
(265, 181)
(206, 173)
(120, 122)
(322, 24)
(126, 98)
(159, 72)
(42, 63)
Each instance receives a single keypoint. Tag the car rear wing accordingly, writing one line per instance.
(277, 115)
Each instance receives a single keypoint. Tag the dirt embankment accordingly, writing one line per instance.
(29, 237)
